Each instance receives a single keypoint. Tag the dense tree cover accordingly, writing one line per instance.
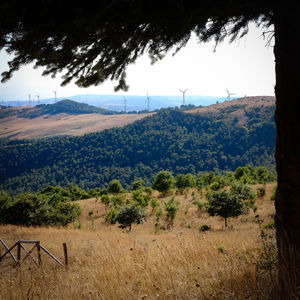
(44, 208)
(169, 140)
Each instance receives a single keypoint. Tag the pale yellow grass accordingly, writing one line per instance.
(62, 124)
(108, 263)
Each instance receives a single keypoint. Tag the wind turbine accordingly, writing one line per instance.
(125, 102)
(38, 97)
(229, 94)
(29, 96)
(183, 95)
(55, 94)
(148, 100)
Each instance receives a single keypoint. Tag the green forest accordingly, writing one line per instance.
(170, 140)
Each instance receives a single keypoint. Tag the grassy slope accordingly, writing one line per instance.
(62, 124)
(107, 263)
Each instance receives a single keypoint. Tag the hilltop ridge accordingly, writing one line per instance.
(238, 109)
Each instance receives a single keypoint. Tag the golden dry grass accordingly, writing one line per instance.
(62, 124)
(247, 102)
(108, 263)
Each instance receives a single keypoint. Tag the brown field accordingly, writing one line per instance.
(182, 263)
(62, 124)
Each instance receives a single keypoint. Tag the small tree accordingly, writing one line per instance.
(115, 187)
(163, 182)
(138, 185)
(106, 201)
(129, 214)
(171, 208)
(225, 205)
(184, 182)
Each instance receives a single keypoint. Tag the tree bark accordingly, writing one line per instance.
(287, 116)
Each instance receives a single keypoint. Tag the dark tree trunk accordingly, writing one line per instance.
(287, 116)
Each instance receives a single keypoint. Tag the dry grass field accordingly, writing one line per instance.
(62, 124)
(106, 262)
(242, 104)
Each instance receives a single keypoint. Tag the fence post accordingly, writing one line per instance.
(65, 254)
(19, 252)
(39, 252)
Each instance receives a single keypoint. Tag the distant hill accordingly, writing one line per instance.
(219, 138)
(64, 106)
(242, 110)
(134, 102)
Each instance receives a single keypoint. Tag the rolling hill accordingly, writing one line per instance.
(66, 117)
(172, 139)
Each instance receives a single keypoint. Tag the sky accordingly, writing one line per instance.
(244, 67)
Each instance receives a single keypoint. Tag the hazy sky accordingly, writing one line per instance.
(244, 67)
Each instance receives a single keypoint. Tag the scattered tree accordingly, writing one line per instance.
(130, 214)
(225, 205)
(184, 182)
(163, 182)
(171, 208)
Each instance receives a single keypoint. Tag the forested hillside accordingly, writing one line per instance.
(64, 106)
(171, 140)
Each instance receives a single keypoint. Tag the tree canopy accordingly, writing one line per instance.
(95, 42)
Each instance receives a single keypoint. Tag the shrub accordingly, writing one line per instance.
(184, 182)
(218, 183)
(200, 205)
(106, 201)
(260, 191)
(273, 195)
(163, 182)
(154, 204)
(171, 208)
(270, 225)
(138, 185)
(115, 187)
(116, 200)
(142, 200)
(110, 217)
(148, 190)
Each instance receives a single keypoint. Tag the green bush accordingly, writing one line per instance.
(154, 204)
(129, 214)
(111, 215)
(260, 191)
(140, 198)
(163, 182)
(171, 208)
(37, 209)
(184, 182)
(115, 187)
(138, 185)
